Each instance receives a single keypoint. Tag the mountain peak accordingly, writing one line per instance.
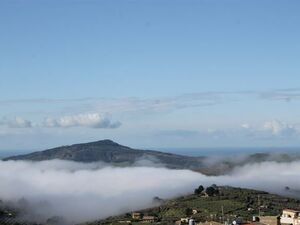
(104, 142)
(109, 151)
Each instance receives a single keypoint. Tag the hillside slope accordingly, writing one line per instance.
(114, 153)
(226, 206)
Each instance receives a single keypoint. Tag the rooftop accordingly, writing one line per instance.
(291, 210)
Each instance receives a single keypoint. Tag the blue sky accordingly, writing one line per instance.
(150, 73)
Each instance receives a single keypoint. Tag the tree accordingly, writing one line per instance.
(188, 211)
(210, 191)
(199, 190)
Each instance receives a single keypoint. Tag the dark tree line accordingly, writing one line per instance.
(210, 191)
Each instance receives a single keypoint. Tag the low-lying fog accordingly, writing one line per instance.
(81, 192)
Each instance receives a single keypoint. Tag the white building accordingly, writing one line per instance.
(290, 217)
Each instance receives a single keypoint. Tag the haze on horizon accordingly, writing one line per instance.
(150, 74)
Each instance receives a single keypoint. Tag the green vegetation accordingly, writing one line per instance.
(213, 203)
(199, 190)
(212, 191)
(232, 201)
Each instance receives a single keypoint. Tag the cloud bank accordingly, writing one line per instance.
(281, 94)
(275, 128)
(81, 192)
(92, 120)
(16, 122)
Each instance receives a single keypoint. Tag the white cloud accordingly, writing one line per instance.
(278, 128)
(82, 192)
(93, 120)
(272, 128)
(246, 126)
(281, 94)
(16, 122)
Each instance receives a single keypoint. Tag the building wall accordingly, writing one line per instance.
(290, 217)
(269, 220)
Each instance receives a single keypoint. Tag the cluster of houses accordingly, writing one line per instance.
(140, 217)
(288, 217)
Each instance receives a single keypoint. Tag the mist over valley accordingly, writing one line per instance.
(44, 185)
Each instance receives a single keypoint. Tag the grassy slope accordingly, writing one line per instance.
(235, 202)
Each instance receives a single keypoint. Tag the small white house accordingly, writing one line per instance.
(290, 217)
